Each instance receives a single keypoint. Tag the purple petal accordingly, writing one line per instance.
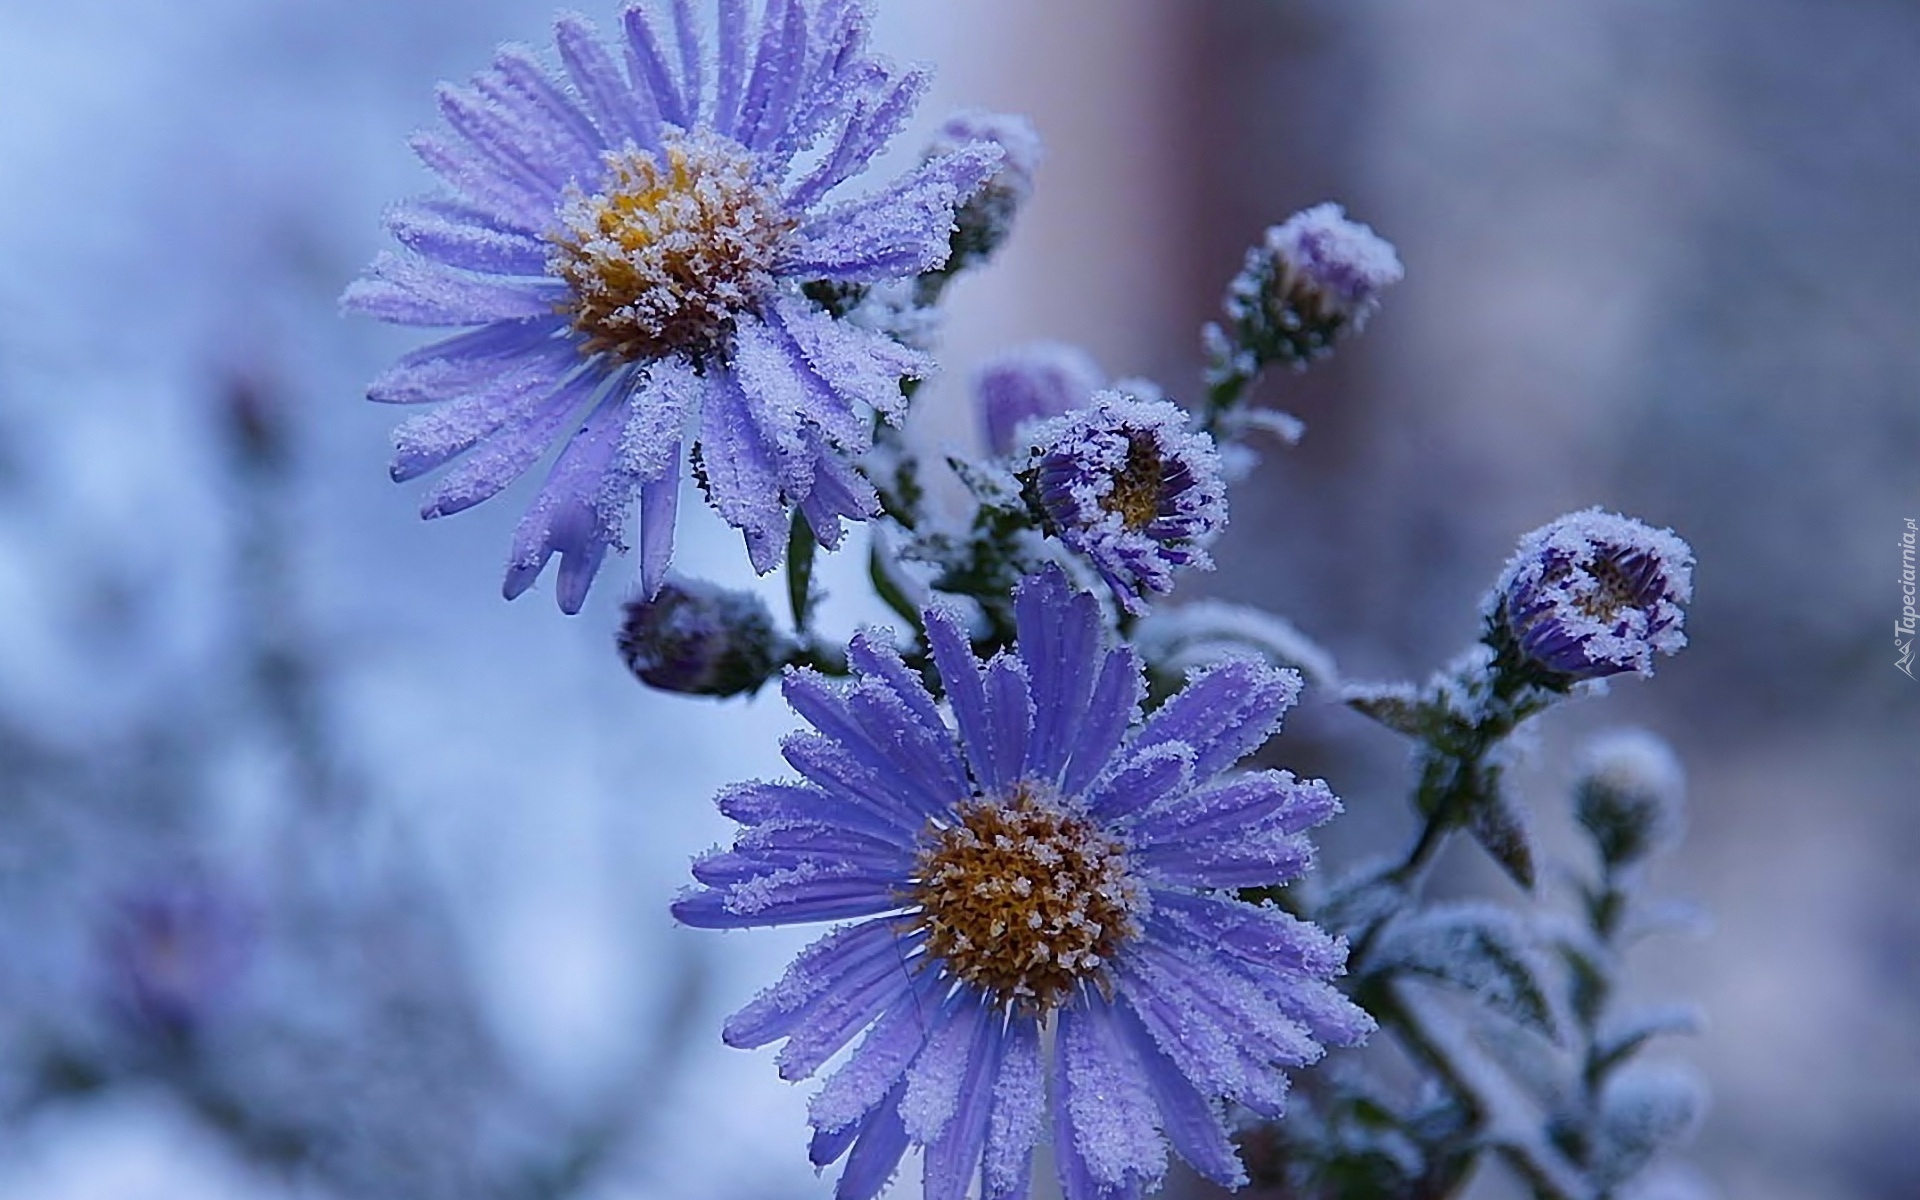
(1010, 712)
(623, 114)
(858, 365)
(507, 453)
(1226, 811)
(1059, 641)
(835, 768)
(742, 471)
(515, 398)
(409, 290)
(452, 367)
(1257, 858)
(467, 244)
(659, 508)
(814, 973)
(1193, 1122)
(881, 1059)
(901, 230)
(648, 66)
(938, 1077)
(1225, 712)
(787, 898)
(951, 1159)
(507, 200)
(1019, 1108)
(960, 671)
(1147, 776)
(1259, 935)
(876, 1153)
(875, 657)
(1115, 704)
(827, 709)
(1105, 1124)
(732, 65)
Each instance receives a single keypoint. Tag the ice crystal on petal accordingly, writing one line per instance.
(631, 247)
(1313, 278)
(1041, 861)
(1126, 484)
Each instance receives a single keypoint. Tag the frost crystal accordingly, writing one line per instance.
(630, 246)
(1593, 594)
(1051, 863)
(1129, 486)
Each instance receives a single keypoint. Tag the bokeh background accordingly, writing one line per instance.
(312, 849)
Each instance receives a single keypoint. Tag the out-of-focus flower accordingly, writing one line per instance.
(174, 952)
(1630, 795)
(1129, 486)
(986, 219)
(1593, 594)
(1032, 383)
(698, 638)
(1312, 278)
(631, 246)
(1052, 863)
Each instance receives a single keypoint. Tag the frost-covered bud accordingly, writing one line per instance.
(1129, 486)
(1032, 383)
(983, 222)
(1593, 594)
(174, 952)
(1630, 795)
(1312, 278)
(700, 639)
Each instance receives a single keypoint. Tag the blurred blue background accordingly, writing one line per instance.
(314, 850)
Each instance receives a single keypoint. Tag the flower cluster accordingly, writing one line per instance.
(1048, 860)
(1058, 881)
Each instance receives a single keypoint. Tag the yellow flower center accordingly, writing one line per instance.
(1135, 496)
(1023, 899)
(670, 250)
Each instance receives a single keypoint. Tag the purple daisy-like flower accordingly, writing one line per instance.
(631, 244)
(1127, 484)
(1052, 867)
(1593, 594)
(1312, 278)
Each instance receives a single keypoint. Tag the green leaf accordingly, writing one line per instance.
(1500, 828)
(800, 548)
(1478, 949)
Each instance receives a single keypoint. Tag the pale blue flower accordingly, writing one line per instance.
(1045, 939)
(629, 243)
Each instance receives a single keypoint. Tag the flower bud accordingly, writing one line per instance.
(1592, 594)
(1313, 278)
(1032, 383)
(700, 639)
(1126, 484)
(1630, 796)
(985, 220)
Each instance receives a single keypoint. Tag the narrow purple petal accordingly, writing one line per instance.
(1257, 858)
(659, 508)
(410, 290)
(648, 67)
(1145, 777)
(468, 245)
(452, 367)
(732, 65)
(814, 973)
(835, 768)
(953, 1156)
(874, 656)
(507, 453)
(742, 471)
(622, 113)
(1225, 712)
(827, 709)
(858, 365)
(507, 200)
(1010, 712)
(1106, 1119)
(1059, 641)
(789, 898)
(1193, 1122)
(902, 229)
(1272, 799)
(1115, 703)
(881, 1059)
(876, 1153)
(960, 671)
(1019, 1110)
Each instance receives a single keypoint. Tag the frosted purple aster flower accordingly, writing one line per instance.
(986, 220)
(1052, 865)
(630, 246)
(1594, 594)
(1312, 278)
(1032, 383)
(1129, 486)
